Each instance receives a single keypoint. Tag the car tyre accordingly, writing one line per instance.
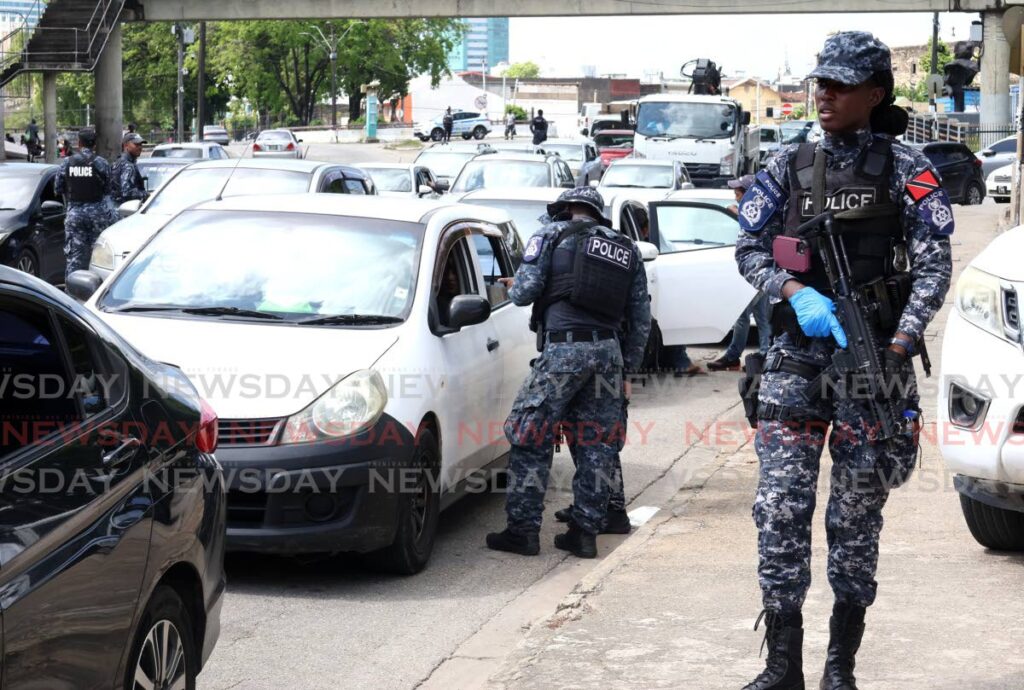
(163, 651)
(437, 134)
(467, 135)
(974, 194)
(418, 514)
(479, 132)
(994, 528)
(26, 262)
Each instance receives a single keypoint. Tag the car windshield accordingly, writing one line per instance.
(156, 174)
(686, 228)
(274, 136)
(196, 153)
(567, 152)
(193, 186)
(769, 136)
(445, 163)
(492, 174)
(525, 214)
(606, 140)
(16, 192)
(261, 262)
(391, 179)
(796, 132)
(691, 120)
(651, 176)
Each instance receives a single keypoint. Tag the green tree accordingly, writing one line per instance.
(925, 63)
(523, 70)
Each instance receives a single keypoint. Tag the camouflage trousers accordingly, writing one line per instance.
(864, 471)
(617, 492)
(576, 386)
(83, 224)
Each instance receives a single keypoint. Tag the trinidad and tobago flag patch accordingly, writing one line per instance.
(922, 185)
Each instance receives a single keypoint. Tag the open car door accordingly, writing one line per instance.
(700, 291)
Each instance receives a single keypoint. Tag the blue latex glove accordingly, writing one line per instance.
(815, 314)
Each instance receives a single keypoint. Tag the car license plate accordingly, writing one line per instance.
(1002, 190)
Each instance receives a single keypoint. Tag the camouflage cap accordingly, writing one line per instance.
(87, 137)
(584, 196)
(851, 57)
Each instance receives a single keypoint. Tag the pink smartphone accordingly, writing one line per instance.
(791, 253)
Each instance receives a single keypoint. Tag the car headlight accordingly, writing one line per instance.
(102, 255)
(726, 166)
(979, 300)
(351, 406)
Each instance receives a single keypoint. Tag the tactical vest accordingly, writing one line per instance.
(864, 212)
(83, 181)
(588, 284)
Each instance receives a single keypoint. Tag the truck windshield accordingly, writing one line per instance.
(690, 120)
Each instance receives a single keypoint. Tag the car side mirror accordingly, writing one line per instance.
(443, 185)
(83, 284)
(988, 153)
(299, 141)
(585, 132)
(648, 251)
(424, 190)
(129, 207)
(746, 118)
(468, 310)
(49, 209)
(594, 183)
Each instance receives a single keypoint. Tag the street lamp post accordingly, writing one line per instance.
(332, 51)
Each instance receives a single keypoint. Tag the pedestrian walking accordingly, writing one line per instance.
(510, 125)
(32, 140)
(584, 281)
(447, 122)
(897, 238)
(84, 180)
(539, 127)
(759, 307)
(126, 181)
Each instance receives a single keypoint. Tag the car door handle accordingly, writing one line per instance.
(492, 344)
(122, 453)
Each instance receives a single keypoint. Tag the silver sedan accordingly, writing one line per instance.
(277, 143)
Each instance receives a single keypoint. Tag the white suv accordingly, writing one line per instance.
(464, 123)
(981, 400)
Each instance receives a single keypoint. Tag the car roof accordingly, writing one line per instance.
(510, 156)
(547, 194)
(186, 145)
(646, 162)
(359, 205)
(182, 162)
(295, 165)
(387, 166)
(700, 193)
(455, 147)
(25, 169)
(616, 131)
(276, 129)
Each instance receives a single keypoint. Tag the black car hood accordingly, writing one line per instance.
(10, 220)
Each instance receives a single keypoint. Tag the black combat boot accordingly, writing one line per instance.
(565, 514)
(523, 544)
(784, 636)
(578, 542)
(616, 522)
(846, 628)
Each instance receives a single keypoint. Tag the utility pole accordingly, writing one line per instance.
(3, 130)
(935, 58)
(334, 81)
(201, 79)
(180, 131)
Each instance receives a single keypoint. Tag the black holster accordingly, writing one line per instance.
(750, 386)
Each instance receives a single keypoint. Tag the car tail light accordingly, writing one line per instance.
(976, 162)
(206, 437)
(291, 146)
(256, 147)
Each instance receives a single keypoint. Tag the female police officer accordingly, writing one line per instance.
(895, 220)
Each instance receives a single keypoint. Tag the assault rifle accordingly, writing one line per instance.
(862, 360)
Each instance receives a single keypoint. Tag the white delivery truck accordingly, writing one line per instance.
(708, 132)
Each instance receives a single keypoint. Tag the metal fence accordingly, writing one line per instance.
(930, 128)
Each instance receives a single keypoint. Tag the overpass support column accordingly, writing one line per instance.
(109, 95)
(995, 73)
(50, 116)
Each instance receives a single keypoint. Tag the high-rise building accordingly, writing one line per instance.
(485, 42)
(14, 13)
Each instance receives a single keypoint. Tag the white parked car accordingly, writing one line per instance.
(1001, 153)
(277, 143)
(999, 184)
(403, 180)
(199, 151)
(465, 124)
(981, 403)
(205, 180)
(359, 349)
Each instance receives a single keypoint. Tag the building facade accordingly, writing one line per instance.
(14, 13)
(484, 42)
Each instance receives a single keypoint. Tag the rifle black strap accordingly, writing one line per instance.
(818, 185)
(803, 165)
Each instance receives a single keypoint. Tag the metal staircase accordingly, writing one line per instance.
(69, 37)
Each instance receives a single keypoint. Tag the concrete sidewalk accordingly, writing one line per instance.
(674, 605)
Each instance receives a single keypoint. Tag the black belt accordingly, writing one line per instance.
(777, 361)
(576, 336)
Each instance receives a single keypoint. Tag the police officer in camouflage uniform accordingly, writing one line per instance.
(84, 180)
(126, 181)
(585, 281)
(896, 221)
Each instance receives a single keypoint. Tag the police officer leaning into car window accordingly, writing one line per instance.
(585, 281)
(896, 221)
(126, 181)
(84, 181)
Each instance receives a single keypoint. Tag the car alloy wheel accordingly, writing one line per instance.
(973, 195)
(26, 263)
(437, 134)
(161, 662)
(479, 132)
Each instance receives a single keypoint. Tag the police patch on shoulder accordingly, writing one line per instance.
(533, 248)
(760, 203)
(922, 185)
(936, 212)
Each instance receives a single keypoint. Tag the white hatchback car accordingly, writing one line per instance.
(402, 179)
(998, 184)
(199, 151)
(361, 355)
(981, 403)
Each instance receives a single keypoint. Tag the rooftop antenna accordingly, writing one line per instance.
(220, 194)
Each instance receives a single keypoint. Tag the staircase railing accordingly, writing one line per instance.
(14, 43)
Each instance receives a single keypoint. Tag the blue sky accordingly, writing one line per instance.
(756, 44)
